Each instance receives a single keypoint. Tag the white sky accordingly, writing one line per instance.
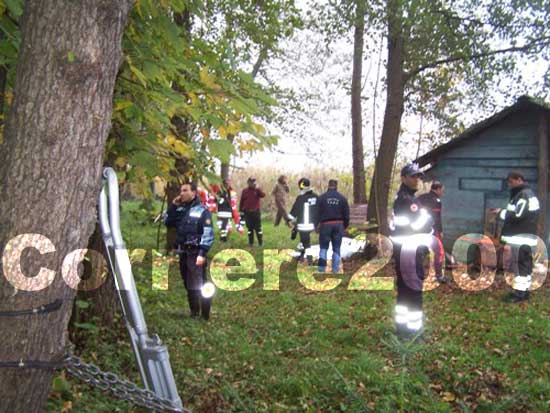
(320, 135)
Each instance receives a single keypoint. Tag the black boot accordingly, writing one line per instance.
(516, 296)
(205, 308)
(250, 238)
(309, 260)
(194, 298)
(260, 239)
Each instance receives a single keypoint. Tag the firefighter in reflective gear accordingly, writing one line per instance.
(519, 232)
(304, 214)
(432, 202)
(410, 232)
(227, 210)
(194, 237)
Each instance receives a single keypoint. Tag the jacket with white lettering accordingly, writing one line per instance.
(304, 211)
(227, 205)
(193, 224)
(333, 206)
(521, 213)
(409, 217)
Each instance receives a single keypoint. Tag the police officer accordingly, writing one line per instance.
(194, 237)
(332, 219)
(432, 202)
(227, 209)
(519, 231)
(304, 212)
(410, 232)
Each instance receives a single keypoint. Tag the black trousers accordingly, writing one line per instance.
(253, 221)
(409, 269)
(194, 276)
(223, 228)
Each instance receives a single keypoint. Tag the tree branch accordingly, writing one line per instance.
(462, 58)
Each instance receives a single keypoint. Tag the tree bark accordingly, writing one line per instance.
(50, 169)
(359, 187)
(543, 188)
(395, 96)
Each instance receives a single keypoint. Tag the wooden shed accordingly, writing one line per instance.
(474, 165)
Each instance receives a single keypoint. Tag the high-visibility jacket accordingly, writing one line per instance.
(409, 218)
(227, 205)
(304, 211)
(520, 217)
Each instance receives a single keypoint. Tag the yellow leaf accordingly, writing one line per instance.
(205, 132)
(120, 162)
(122, 104)
(234, 127)
(222, 132)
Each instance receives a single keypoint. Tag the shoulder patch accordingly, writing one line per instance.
(208, 221)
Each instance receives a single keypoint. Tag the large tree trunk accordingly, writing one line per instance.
(50, 168)
(359, 187)
(378, 201)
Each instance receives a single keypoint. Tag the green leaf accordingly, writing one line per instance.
(15, 7)
(82, 304)
(86, 326)
(221, 149)
(71, 56)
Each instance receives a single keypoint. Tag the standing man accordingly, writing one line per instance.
(519, 231)
(304, 211)
(227, 209)
(194, 237)
(332, 219)
(280, 195)
(410, 232)
(432, 202)
(249, 207)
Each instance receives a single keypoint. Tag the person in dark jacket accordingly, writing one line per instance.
(519, 231)
(226, 199)
(304, 212)
(249, 207)
(432, 202)
(331, 221)
(410, 233)
(280, 195)
(194, 237)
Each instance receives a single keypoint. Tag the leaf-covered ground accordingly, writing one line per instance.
(296, 350)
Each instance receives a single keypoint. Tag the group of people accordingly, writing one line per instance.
(191, 214)
(416, 223)
(415, 229)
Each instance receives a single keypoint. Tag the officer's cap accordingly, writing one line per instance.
(411, 169)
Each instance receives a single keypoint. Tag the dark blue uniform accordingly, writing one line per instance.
(411, 229)
(332, 219)
(194, 237)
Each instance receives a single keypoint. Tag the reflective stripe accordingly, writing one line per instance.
(520, 240)
(305, 227)
(411, 241)
(502, 214)
(306, 213)
(522, 203)
(414, 320)
(511, 207)
(534, 204)
(291, 217)
(224, 214)
(401, 220)
(401, 313)
(522, 283)
(422, 220)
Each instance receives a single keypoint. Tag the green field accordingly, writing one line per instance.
(296, 350)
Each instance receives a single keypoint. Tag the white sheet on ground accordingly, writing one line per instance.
(349, 247)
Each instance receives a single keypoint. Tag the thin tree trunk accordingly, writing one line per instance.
(50, 168)
(378, 205)
(359, 187)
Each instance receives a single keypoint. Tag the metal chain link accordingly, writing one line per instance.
(119, 388)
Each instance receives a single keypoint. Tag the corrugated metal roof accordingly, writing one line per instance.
(523, 102)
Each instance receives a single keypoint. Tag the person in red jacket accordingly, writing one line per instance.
(249, 207)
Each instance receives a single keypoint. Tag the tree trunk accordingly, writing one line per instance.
(359, 187)
(50, 168)
(378, 204)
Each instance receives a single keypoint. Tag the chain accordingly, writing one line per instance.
(119, 388)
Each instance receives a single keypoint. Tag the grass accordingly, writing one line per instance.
(296, 350)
